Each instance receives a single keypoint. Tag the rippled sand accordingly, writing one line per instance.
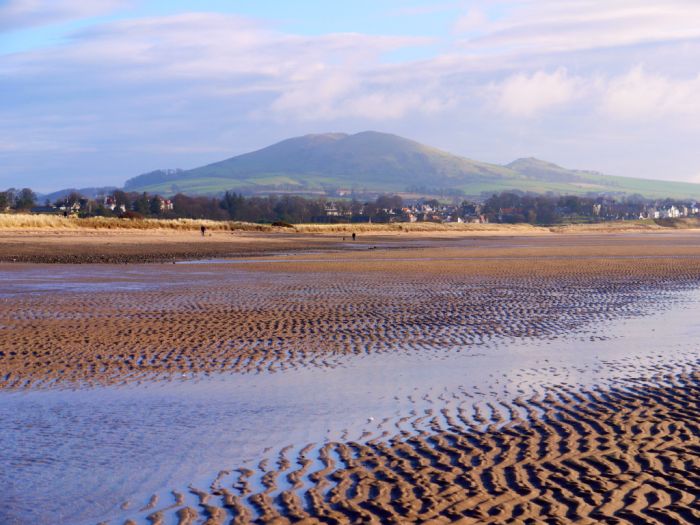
(619, 444)
(169, 320)
(625, 455)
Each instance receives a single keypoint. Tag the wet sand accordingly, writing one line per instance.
(105, 324)
(157, 246)
(75, 246)
(624, 455)
(620, 450)
(119, 247)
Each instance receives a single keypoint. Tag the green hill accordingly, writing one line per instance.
(381, 162)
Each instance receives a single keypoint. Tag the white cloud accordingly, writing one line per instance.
(639, 94)
(203, 44)
(375, 94)
(536, 26)
(331, 98)
(209, 82)
(307, 77)
(524, 95)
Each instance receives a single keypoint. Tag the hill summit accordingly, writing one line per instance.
(371, 161)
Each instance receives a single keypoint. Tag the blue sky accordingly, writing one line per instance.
(95, 92)
(310, 18)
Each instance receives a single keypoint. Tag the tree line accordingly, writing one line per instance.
(506, 207)
(19, 200)
(279, 208)
(519, 207)
(229, 206)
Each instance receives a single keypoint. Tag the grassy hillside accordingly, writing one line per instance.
(372, 161)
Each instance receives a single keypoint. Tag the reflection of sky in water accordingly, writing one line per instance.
(94, 278)
(73, 456)
(285, 258)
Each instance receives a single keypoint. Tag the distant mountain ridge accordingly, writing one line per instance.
(90, 193)
(371, 161)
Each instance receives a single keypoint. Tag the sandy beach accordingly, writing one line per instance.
(71, 241)
(359, 263)
(272, 313)
(623, 456)
(606, 434)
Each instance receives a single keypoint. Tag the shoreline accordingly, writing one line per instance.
(134, 246)
(247, 315)
(492, 378)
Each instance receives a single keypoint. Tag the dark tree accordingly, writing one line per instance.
(234, 204)
(142, 205)
(154, 205)
(25, 199)
(122, 198)
(72, 198)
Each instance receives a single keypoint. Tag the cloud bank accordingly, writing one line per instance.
(569, 81)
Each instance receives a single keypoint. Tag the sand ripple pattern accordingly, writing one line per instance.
(629, 454)
(191, 321)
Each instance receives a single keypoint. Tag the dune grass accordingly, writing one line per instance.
(499, 228)
(686, 223)
(413, 227)
(26, 221)
(56, 222)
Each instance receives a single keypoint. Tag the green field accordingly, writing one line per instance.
(379, 162)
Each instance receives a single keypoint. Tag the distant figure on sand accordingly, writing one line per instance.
(203, 229)
(353, 236)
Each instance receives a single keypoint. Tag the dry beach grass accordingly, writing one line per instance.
(24, 221)
(52, 239)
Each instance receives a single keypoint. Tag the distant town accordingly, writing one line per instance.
(505, 207)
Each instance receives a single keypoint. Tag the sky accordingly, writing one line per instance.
(93, 92)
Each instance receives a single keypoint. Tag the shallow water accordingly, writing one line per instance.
(71, 457)
(277, 259)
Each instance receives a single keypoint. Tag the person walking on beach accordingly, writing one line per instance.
(353, 236)
(203, 229)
